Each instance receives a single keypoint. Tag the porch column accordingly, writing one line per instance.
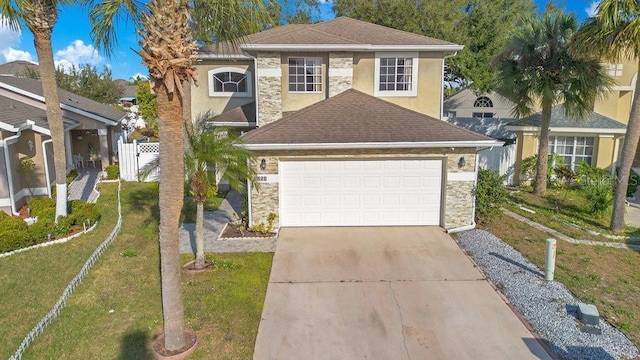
(68, 150)
(104, 148)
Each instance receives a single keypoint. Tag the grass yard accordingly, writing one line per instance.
(561, 207)
(606, 277)
(116, 311)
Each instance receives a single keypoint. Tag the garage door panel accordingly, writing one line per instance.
(360, 192)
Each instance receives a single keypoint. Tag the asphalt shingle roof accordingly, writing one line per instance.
(16, 113)
(493, 127)
(241, 114)
(339, 31)
(68, 98)
(560, 119)
(356, 117)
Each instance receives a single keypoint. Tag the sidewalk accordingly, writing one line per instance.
(214, 222)
(83, 186)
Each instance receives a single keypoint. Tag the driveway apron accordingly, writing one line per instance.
(384, 293)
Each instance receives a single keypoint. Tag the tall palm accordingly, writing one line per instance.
(211, 151)
(167, 50)
(538, 65)
(614, 33)
(40, 16)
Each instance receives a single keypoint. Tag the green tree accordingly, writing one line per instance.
(40, 16)
(614, 33)
(538, 65)
(147, 104)
(167, 50)
(211, 151)
(481, 26)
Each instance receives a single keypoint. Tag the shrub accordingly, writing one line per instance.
(490, 194)
(634, 182)
(113, 172)
(79, 211)
(72, 175)
(63, 227)
(40, 231)
(599, 193)
(13, 233)
(43, 208)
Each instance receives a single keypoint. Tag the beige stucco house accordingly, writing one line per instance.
(345, 120)
(90, 134)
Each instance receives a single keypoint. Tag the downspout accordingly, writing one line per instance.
(442, 91)
(46, 166)
(255, 86)
(5, 143)
(473, 204)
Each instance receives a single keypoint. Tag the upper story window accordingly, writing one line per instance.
(615, 69)
(229, 82)
(396, 74)
(305, 74)
(483, 101)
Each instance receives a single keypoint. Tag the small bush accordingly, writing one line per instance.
(79, 211)
(13, 233)
(599, 194)
(43, 208)
(529, 166)
(634, 182)
(72, 175)
(490, 194)
(113, 172)
(40, 231)
(63, 227)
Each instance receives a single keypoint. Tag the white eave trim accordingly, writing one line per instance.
(567, 130)
(62, 105)
(223, 56)
(389, 145)
(350, 47)
(232, 124)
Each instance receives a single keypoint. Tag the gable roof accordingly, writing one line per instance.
(353, 119)
(340, 34)
(239, 116)
(493, 127)
(15, 115)
(559, 120)
(17, 68)
(69, 101)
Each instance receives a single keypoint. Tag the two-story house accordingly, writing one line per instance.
(347, 125)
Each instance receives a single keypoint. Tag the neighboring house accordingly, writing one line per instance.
(349, 125)
(90, 136)
(18, 68)
(596, 140)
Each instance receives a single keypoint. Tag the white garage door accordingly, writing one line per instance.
(360, 192)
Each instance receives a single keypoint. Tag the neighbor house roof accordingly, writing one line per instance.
(493, 127)
(560, 121)
(17, 68)
(241, 115)
(342, 33)
(15, 115)
(354, 119)
(33, 88)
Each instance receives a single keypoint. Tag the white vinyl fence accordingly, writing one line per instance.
(500, 159)
(134, 156)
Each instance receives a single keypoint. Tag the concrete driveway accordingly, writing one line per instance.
(384, 293)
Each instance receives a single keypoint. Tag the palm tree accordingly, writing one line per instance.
(167, 49)
(614, 33)
(211, 151)
(538, 65)
(40, 16)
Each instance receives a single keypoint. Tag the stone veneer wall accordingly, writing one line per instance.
(458, 209)
(340, 72)
(269, 88)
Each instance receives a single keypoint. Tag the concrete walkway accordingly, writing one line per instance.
(214, 222)
(560, 236)
(83, 186)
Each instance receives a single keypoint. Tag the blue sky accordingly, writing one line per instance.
(72, 42)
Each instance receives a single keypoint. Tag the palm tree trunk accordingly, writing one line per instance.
(171, 198)
(628, 153)
(200, 261)
(543, 151)
(42, 41)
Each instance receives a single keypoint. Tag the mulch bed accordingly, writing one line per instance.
(158, 347)
(231, 231)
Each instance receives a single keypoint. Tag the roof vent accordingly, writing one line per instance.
(13, 106)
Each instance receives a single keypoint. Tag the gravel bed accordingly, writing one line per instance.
(549, 307)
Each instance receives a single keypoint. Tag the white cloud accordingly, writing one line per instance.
(591, 10)
(137, 75)
(9, 42)
(77, 53)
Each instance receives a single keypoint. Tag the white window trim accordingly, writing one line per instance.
(248, 79)
(572, 165)
(414, 75)
(322, 82)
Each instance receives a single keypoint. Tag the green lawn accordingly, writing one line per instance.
(116, 311)
(604, 276)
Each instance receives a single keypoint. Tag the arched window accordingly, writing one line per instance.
(229, 82)
(483, 101)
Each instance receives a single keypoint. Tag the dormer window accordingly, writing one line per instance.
(305, 74)
(483, 101)
(396, 74)
(229, 82)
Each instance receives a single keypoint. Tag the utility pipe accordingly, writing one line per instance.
(46, 166)
(5, 143)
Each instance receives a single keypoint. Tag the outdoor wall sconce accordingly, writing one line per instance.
(263, 164)
(462, 162)
(30, 145)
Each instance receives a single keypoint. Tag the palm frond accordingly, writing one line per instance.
(107, 15)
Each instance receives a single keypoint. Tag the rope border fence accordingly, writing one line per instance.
(62, 301)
